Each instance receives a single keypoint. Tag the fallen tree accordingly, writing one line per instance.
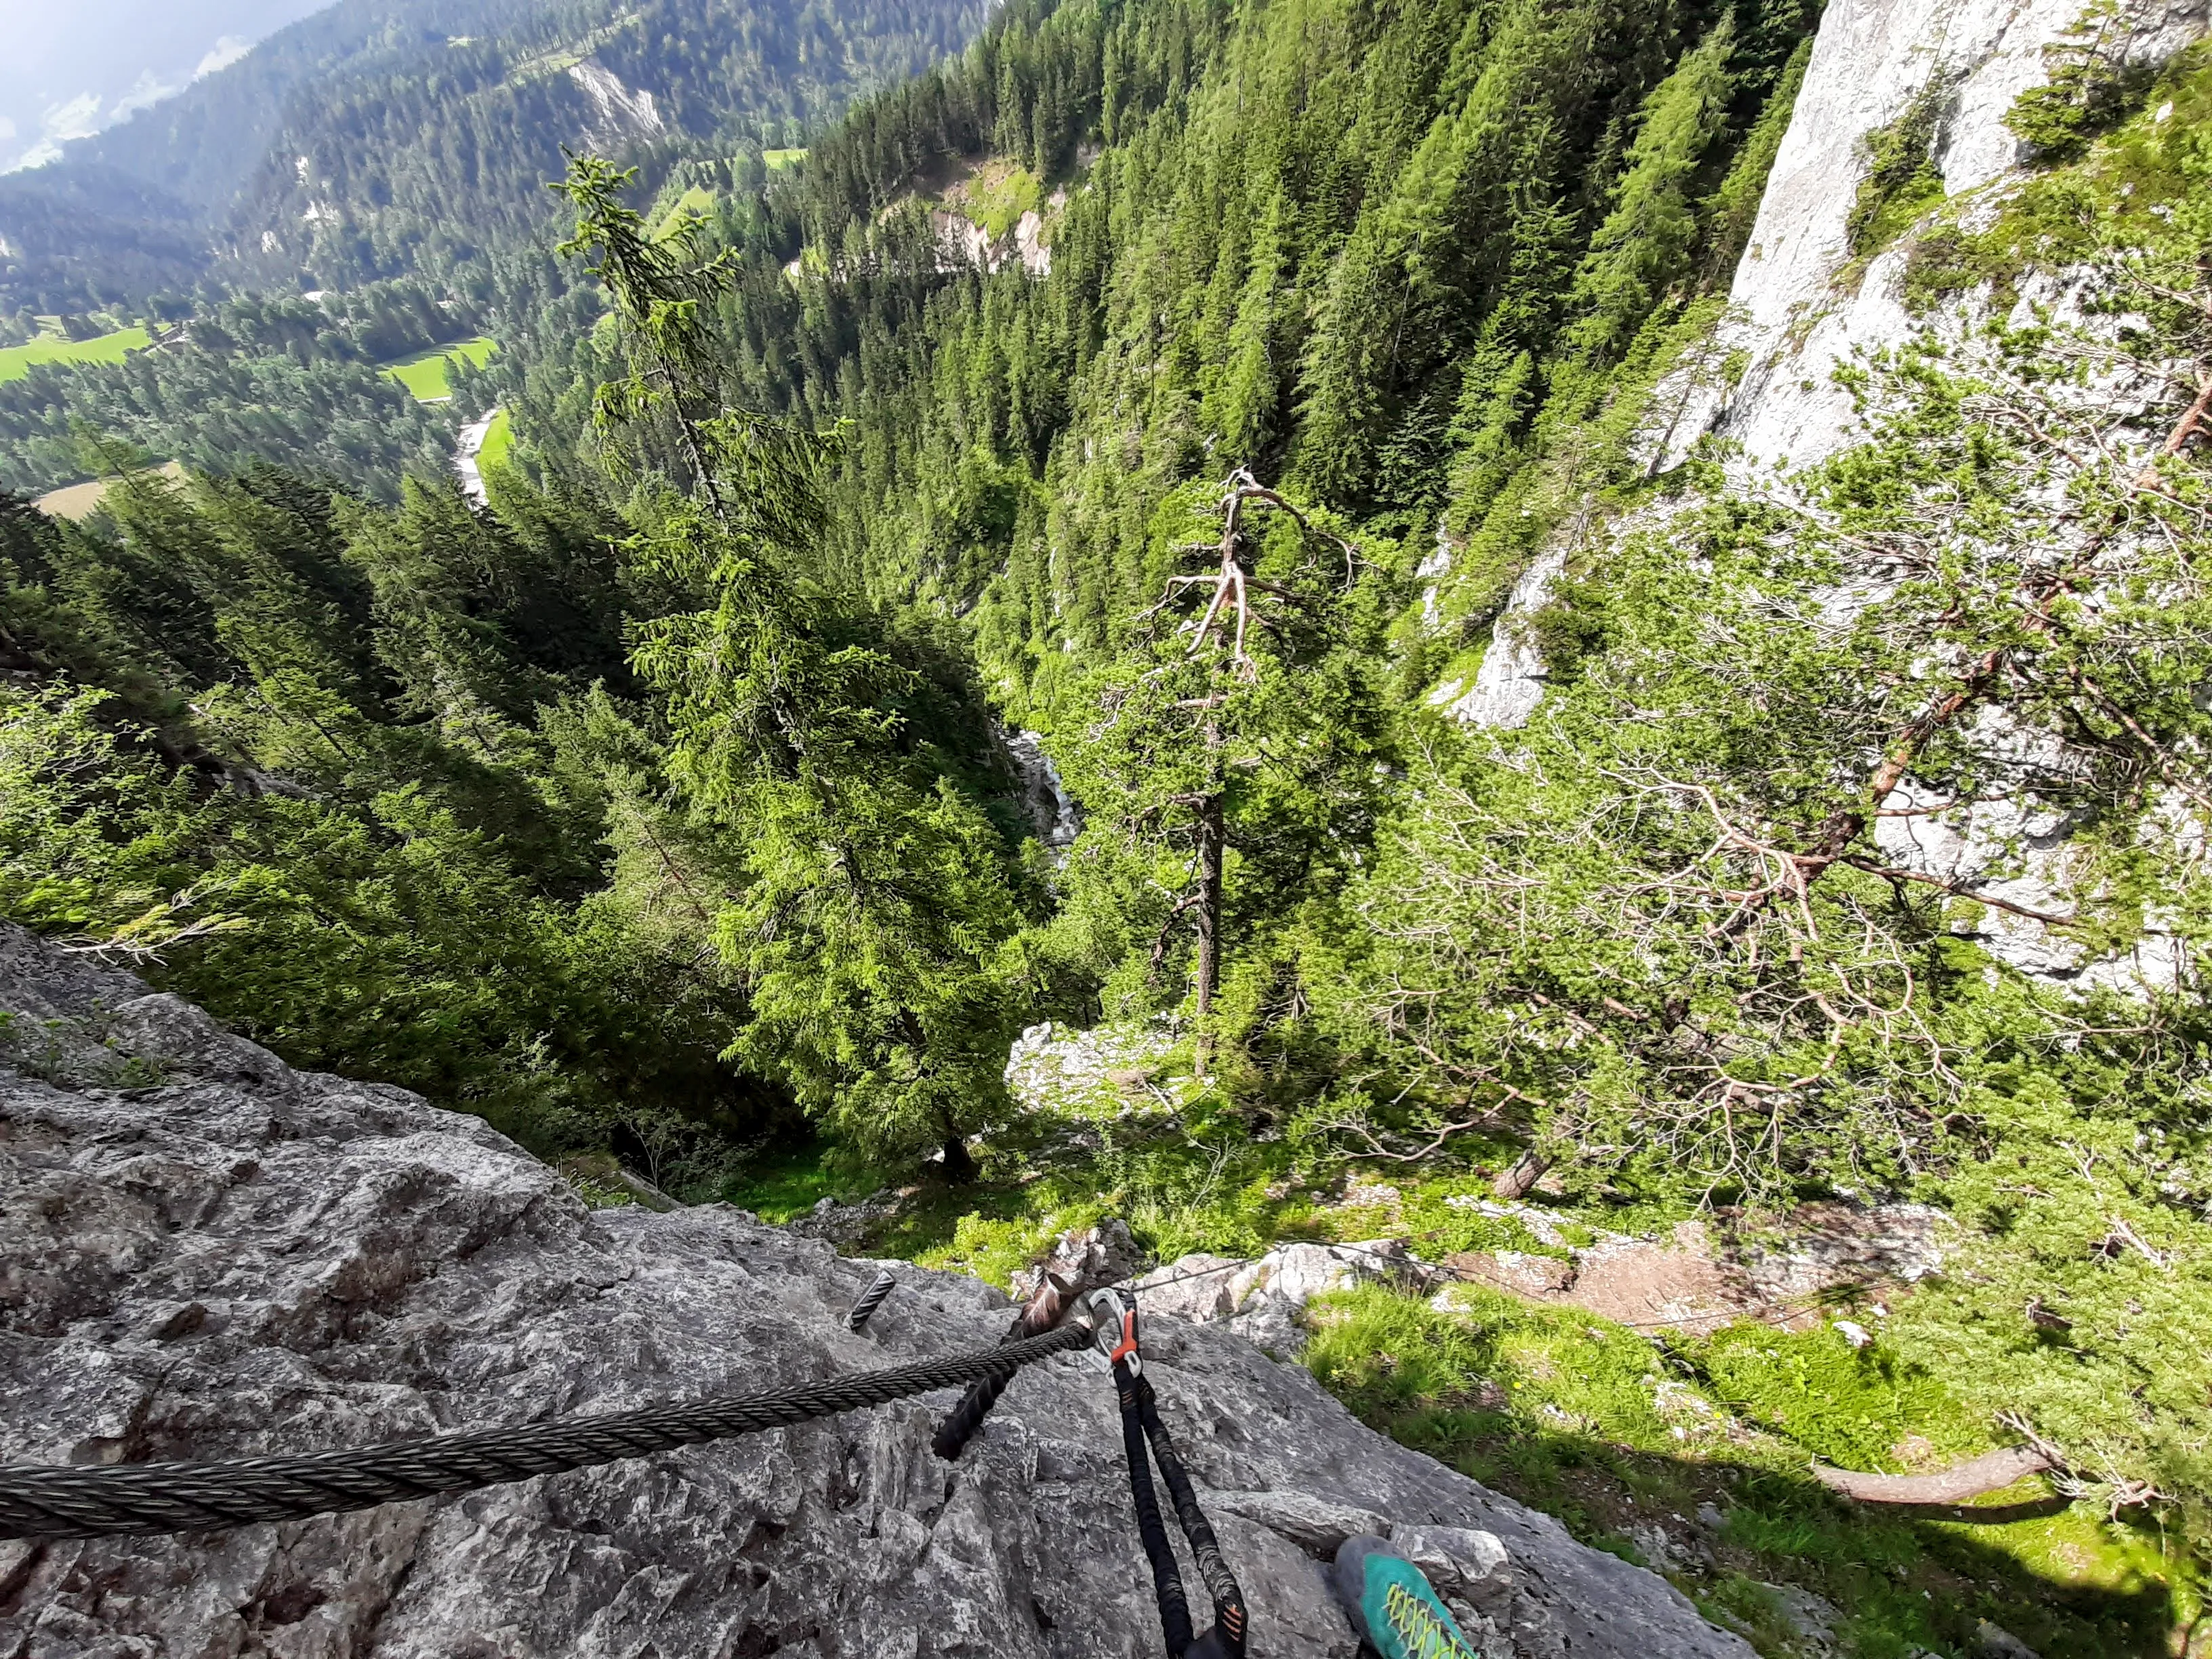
(1991, 1472)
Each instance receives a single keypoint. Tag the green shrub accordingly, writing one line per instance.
(1901, 181)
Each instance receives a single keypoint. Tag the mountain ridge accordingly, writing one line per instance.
(441, 107)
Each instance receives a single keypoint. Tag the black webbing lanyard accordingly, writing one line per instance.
(1116, 1333)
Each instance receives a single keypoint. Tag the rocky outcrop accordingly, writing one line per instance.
(963, 243)
(1057, 1069)
(618, 113)
(1801, 303)
(468, 453)
(1784, 1270)
(1052, 811)
(204, 1252)
(1508, 682)
(1801, 306)
(1264, 1301)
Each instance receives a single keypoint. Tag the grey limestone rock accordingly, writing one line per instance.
(1996, 1642)
(1462, 1563)
(240, 1258)
(1811, 1620)
(1264, 1301)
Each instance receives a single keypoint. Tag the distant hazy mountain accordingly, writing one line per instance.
(134, 209)
(72, 69)
(201, 146)
(349, 145)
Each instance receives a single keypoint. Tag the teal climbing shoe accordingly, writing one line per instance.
(1394, 1606)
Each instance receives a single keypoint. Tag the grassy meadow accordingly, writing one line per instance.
(498, 443)
(424, 372)
(17, 361)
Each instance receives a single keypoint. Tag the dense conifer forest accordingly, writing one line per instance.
(1190, 386)
(384, 138)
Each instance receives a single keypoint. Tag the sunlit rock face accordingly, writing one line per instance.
(1803, 305)
(204, 1252)
(1800, 307)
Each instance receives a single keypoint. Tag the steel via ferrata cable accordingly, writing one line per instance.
(49, 1502)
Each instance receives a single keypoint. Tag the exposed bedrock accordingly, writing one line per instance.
(203, 1253)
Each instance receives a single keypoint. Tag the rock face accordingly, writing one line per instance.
(1264, 1300)
(1510, 681)
(203, 1253)
(1873, 59)
(1052, 811)
(1803, 305)
(1799, 305)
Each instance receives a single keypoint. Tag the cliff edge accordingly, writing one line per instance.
(205, 1254)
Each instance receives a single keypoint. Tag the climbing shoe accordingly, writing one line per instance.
(1392, 1605)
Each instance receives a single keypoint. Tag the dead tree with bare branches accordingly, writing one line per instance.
(1229, 688)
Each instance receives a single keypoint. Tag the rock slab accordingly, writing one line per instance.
(205, 1254)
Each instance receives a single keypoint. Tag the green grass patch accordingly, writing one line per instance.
(993, 1247)
(1851, 1407)
(696, 202)
(1901, 183)
(1440, 1228)
(783, 1182)
(424, 374)
(1616, 1434)
(16, 362)
(783, 158)
(498, 443)
(996, 196)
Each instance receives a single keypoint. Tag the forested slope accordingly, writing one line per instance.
(1497, 769)
(383, 146)
(1418, 266)
(446, 152)
(285, 381)
(382, 139)
(1851, 845)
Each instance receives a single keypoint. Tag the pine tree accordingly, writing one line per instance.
(1230, 725)
(1646, 242)
(870, 928)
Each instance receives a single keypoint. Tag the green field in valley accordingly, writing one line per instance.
(16, 362)
(498, 440)
(696, 202)
(784, 158)
(423, 374)
(80, 501)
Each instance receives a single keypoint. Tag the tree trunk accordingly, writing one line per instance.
(959, 1163)
(1212, 834)
(1526, 1172)
(1991, 1472)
